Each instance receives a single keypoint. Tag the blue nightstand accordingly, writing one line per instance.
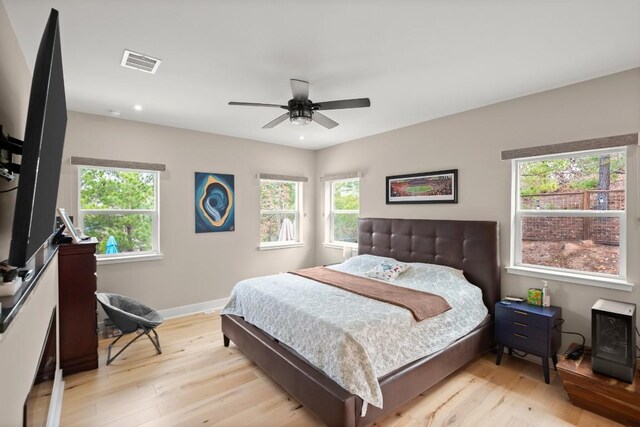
(529, 328)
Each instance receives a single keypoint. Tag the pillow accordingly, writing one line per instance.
(387, 270)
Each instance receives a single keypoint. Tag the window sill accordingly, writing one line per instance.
(268, 247)
(117, 259)
(582, 279)
(340, 245)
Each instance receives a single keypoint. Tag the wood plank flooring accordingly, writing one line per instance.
(197, 381)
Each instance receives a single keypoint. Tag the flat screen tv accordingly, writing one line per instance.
(35, 208)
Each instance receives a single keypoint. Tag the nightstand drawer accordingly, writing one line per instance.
(524, 317)
(525, 343)
(517, 327)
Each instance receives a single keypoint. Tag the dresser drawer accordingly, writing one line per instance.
(523, 317)
(517, 327)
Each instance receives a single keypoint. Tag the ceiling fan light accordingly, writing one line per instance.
(300, 120)
(300, 116)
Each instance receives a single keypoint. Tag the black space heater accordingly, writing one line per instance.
(613, 339)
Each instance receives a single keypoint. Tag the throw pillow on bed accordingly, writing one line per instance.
(387, 270)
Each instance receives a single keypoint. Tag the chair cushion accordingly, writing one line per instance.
(128, 314)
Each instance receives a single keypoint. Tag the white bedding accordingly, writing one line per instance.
(353, 339)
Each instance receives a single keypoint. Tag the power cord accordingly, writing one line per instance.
(517, 353)
(11, 189)
(580, 350)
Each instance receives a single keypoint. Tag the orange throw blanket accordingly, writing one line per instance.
(421, 304)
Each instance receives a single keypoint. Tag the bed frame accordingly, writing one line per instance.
(471, 246)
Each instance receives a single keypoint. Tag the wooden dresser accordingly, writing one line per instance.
(597, 393)
(77, 307)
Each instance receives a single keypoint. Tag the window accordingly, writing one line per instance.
(120, 208)
(570, 215)
(343, 197)
(280, 207)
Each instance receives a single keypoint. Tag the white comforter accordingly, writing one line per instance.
(353, 339)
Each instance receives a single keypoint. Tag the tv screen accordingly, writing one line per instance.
(34, 215)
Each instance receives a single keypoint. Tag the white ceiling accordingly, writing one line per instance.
(416, 60)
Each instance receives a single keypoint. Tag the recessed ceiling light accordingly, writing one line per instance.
(301, 137)
(114, 113)
(137, 107)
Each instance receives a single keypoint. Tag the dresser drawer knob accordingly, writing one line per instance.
(524, 325)
(521, 336)
(524, 313)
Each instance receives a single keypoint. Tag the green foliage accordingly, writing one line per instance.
(562, 175)
(586, 184)
(114, 189)
(345, 227)
(276, 196)
(111, 191)
(346, 195)
(132, 232)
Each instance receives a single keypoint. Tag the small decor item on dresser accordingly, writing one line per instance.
(534, 296)
(546, 294)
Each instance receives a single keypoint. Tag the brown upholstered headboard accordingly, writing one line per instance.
(470, 246)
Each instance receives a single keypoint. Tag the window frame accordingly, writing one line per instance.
(298, 212)
(329, 240)
(155, 252)
(516, 266)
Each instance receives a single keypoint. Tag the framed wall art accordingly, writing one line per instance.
(214, 202)
(424, 187)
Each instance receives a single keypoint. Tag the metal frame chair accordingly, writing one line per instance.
(129, 316)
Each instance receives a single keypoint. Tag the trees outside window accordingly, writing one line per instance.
(570, 213)
(120, 208)
(280, 207)
(344, 211)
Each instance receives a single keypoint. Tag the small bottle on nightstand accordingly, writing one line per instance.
(546, 295)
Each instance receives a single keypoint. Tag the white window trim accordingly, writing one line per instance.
(516, 266)
(153, 254)
(328, 223)
(262, 246)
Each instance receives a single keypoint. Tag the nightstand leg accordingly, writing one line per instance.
(555, 361)
(500, 353)
(545, 369)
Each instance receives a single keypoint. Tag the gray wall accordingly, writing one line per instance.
(15, 82)
(196, 267)
(472, 142)
(22, 342)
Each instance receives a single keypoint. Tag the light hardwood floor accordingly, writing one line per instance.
(197, 381)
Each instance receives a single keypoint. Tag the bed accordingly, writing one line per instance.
(470, 246)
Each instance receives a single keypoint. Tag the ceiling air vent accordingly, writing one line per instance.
(141, 62)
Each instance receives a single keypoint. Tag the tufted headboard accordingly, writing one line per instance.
(470, 246)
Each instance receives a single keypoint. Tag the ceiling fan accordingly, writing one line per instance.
(301, 110)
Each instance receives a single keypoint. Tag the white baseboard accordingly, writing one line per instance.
(200, 307)
(55, 406)
(185, 310)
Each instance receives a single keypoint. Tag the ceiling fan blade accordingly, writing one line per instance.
(323, 120)
(255, 104)
(300, 89)
(343, 103)
(277, 121)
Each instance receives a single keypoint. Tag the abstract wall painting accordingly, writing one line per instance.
(214, 202)
(425, 187)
